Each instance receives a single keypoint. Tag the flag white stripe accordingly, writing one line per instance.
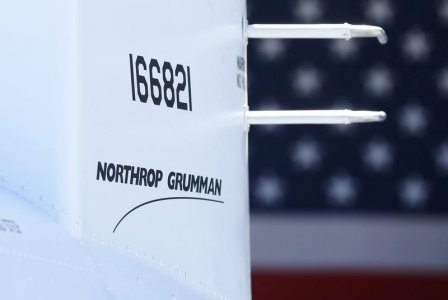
(350, 242)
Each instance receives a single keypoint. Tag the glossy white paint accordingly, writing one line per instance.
(66, 104)
(44, 262)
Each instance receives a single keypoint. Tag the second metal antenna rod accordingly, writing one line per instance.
(315, 31)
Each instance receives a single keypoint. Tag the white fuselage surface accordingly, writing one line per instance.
(123, 150)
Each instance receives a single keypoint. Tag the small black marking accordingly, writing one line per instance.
(165, 199)
(131, 62)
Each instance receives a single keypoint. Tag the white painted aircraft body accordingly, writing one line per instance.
(123, 147)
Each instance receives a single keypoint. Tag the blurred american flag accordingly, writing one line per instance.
(359, 198)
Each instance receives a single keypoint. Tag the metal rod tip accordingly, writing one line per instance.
(363, 31)
(382, 116)
(382, 37)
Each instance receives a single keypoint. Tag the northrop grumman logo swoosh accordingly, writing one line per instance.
(165, 199)
(115, 173)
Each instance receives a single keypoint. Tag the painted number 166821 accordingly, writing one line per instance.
(160, 81)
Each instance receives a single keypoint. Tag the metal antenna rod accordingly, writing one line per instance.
(315, 31)
(313, 117)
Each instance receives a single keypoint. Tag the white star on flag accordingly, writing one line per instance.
(414, 192)
(344, 50)
(379, 82)
(306, 154)
(377, 155)
(416, 46)
(306, 81)
(341, 189)
(308, 10)
(271, 49)
(269, 190)
(413, 119)
(379, 11)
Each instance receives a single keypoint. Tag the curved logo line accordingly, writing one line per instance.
(164, 199)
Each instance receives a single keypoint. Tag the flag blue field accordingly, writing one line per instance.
(367, 197)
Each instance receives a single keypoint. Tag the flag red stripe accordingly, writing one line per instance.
(348, 286)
